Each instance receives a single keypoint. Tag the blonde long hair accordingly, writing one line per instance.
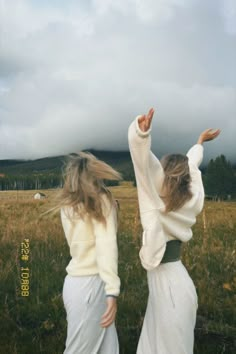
(84, 185)
(177, 179)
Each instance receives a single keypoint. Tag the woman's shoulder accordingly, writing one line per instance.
(69, 212)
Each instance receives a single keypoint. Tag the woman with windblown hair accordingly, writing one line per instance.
(91, 286)
(171, 195)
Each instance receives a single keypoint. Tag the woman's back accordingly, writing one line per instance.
(88, 216)
(90, 242)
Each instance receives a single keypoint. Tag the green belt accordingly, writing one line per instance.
(172, 252)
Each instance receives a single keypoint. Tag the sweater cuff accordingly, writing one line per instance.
(110, 295)
(139, 131)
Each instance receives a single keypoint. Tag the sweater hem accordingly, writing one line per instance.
(75, 273)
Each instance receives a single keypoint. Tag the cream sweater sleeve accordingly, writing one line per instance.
(146, 167)
(195, 156)
(107, 250)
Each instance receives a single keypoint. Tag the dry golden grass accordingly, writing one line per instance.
(40, 318)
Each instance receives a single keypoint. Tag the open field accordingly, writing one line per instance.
(37, 323)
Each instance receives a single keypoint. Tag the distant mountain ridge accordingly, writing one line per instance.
(120, 160)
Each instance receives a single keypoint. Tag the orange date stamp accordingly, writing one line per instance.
(25, 271)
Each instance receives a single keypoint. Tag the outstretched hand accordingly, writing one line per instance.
(145, 121)
(208, 134)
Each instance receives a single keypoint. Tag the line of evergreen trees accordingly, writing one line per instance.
(219, 180)
(36, 182)
(29, 182)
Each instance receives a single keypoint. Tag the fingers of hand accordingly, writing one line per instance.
(108, 320)
(142, 122)
(213, 131)
(150, 113)
(149, 117)
(106, 313)
(216, 133)
(210, 134)
(111, 306)
(141, 119)
(148, 122)
(108, 317)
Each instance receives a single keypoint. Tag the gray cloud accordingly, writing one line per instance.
(75, 74)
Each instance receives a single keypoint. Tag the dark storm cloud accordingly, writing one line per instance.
(74, 76)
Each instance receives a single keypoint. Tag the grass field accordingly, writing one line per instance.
(37, 323)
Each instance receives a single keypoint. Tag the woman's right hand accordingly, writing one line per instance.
(207, 135)
(145, 121)
(110, 314)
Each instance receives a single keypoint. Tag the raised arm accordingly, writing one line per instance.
(146, 167)
(143, 129)
(195, 154)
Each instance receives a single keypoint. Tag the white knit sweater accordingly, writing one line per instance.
(93, 247)
(158, 226)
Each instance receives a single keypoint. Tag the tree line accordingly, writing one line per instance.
(219, 180)
(36, 182)
(30, 182)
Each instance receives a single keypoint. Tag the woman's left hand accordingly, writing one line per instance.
(145, 121)
(208, 135)
(109, 316)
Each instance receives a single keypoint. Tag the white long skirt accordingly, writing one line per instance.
(85, 303)
(170, 317)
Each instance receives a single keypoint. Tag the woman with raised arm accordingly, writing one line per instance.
(171, 195)
(91, 286)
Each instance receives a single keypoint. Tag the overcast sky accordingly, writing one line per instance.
(74, 74)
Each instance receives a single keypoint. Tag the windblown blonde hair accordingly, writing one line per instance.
(176, 184)
(84, 185)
